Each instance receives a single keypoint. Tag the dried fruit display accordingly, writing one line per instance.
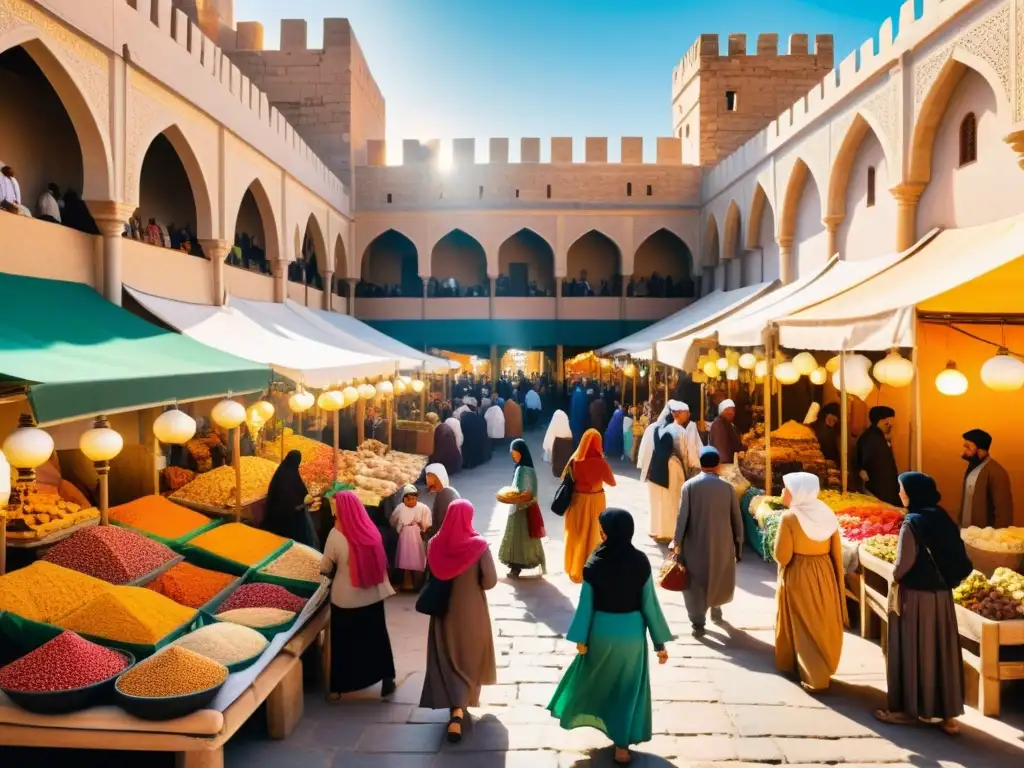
(216, 488)
(373, 446)
(43, 514)
(794, 447)
(116, 555)
(1008, 540)
(860, 523)
(883, 547)
(176, 671)
(176, 477)
(157, 515)
(62, 664)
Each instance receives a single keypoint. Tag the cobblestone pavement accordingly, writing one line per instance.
(718, 702)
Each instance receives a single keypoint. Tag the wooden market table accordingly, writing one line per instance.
(987, 645)
(199, 738)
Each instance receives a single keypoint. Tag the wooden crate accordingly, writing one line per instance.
(985, 669)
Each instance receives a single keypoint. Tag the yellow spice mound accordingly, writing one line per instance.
(174, 672)
(216, 488)
(46, 592)
(793, 430)
(157, 515)
(239, 542)
(128, 615)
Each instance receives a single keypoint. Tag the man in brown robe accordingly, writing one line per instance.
(987, 496)
(724, 438)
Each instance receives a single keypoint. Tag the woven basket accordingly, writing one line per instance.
(986, 561)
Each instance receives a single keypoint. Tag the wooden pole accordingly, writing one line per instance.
(665, 373)
(236, 450)
(389, 403)
(916, 462)
(335, 417)
(361, 420)
(769, 354)
(844, 429)
(282, 439)
(636, 375)
(156, 466)
(103, 470)
(423, 399)
(703, 404)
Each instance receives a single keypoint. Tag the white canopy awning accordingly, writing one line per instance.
(879, 312)
(369, 338)
(641, 344)
(268, 333)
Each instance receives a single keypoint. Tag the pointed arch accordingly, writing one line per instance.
(599, 256)
(340, 258)
(759, 202)
(731, 245)
(460, 256)
(711, 253)
(97, 168)
(528, 252)
(391, 259)
(667, 254)
(933, 108)
(175, 137)
(255, 210)
(794, 191)
(839, 179)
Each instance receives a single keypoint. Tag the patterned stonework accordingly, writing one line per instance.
(142, 113)
(1019, 42)
(884, 106)
(988, 39)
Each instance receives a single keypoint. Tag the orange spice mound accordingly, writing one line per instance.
(157, 515)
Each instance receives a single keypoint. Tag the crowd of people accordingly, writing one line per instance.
(57, 207)
(653, 287)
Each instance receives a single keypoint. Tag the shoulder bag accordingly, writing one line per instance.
(434, 597)
(563, 496)
(673, 576)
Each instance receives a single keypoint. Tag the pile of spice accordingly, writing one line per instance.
(158, 516)
(190, 585)
(299, 562)
(128, 615)
(216, 488)
(62, 664)
(225, 642)
(46, 592)
(259, 618)
(263, 596)
(116, 555)
(239, 542)
(174, 672)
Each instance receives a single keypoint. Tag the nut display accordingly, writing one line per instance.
(217, 488)
(1007, 540)
(299, 562)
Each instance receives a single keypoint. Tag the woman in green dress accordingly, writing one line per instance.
(522, 546)
(608, 685)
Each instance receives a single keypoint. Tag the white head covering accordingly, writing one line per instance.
(816, 518)
(812, 413)
(675, 406)
(456, 426)
(559, 427)
(495, 419)
(722, 406)
(438, 471)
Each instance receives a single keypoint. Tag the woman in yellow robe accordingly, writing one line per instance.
(590, 473)
(811, 602)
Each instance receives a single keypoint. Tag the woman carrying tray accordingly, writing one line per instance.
(522, 546)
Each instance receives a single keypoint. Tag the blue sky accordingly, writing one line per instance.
(482, 68)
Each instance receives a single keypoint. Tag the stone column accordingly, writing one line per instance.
(622, 298)
(786, 270)
(280, 272)
(491, 296)
(328, 278)
(110, 218)
(351, 298)
(832, 223)
(907, 196)
(217, 251)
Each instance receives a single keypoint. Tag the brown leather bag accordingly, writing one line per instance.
(673, 576)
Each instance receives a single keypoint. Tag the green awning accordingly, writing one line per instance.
(80, 355)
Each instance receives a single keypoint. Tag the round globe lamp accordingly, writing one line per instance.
(26, 448)
(951, 382)
(786, 372)
(747, 361)
(833, 364)
(805, 363)
(722, 363)
(894, 370)
(732, 373)
(386, 388)
(761, 369)
(174, 427)
(228, 413)
(100, 445)
(1003, 373)
(818, 376)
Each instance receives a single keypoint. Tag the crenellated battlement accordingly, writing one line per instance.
(707, 49)
(463, 154)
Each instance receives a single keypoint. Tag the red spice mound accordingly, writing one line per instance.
(114, 554)
(263, 596)
(64, 663)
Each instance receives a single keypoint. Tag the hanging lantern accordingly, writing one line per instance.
(818, 376)
(407, 380)
(858, 380)
(1003, 373)
(28, 446)
(722, 363)
(331, 400)
(761, 368)
(418, 386)
(747, 361)
(399, 387)
(732, 373)
(833, 364)
(894, 370)
(265, 409)
(951, 381)
(300, 401)
(367, 391)
(386, 388)
(698, 377)
(787, 373)
(351, 395)
(859, 360)
(711, 369)
(174, 427)
(805, 363)
(228, 413)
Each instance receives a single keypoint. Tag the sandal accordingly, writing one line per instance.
(333, 698)
(950, 727)
(892, 718)
(622, 756)
(455, 726)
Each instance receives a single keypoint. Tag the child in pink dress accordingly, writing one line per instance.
(412, 519)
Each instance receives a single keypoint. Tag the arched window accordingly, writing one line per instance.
(871, 186)
(968, 139)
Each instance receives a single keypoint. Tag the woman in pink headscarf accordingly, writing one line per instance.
(354, 558)
(460, 649)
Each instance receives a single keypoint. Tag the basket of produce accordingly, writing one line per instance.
(65, 674)
(1000, 598)
(233, 645)
(162, 520)
(994, 548)
(114, 554)
(173, 683)
(297, 568)
(267, 621)
(510, 495)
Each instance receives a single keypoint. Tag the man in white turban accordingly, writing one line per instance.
(724, 438)
(669, 454)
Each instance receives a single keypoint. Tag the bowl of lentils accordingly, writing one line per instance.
(171, 683)
(65, 674)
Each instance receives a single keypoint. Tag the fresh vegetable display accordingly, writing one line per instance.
(860, 523)
(114, 554)
(883, 546)
(993, 599)
(1009, 540)
(62, 664)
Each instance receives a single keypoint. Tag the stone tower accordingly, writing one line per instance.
(216, 18)
(719, 102)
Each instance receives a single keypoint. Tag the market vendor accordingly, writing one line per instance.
(724, 438)
(987, 496)
(826, 428)
(874, 459)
